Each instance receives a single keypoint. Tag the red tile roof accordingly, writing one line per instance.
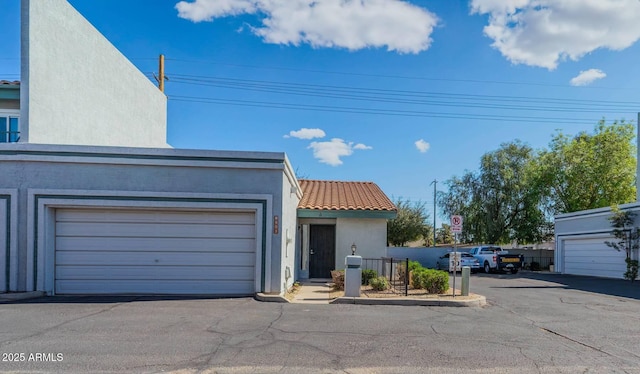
(334, 195)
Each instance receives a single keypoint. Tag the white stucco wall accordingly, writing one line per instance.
(588, 221)
(587, 224)
(137, 176)
(369, 235)
(79, 89)
(291, 195)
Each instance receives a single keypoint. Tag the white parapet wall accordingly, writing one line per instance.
(78, 89)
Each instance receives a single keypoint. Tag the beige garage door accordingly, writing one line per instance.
(593, 257)
(138, 251)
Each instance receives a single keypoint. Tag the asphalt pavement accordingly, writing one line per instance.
(532, 323)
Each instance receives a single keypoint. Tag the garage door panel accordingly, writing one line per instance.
(102, 251)
(595, 260)
(157, 230)
(602, 251)
(222, 273)
(592, 257)
(155, 287)
(151, 244)
(141, 215)
(153, 258)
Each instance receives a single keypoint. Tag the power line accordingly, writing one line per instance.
(410, 97)
(476, 81)
(204, 79)
(376, 111)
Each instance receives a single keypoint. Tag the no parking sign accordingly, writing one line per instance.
(456, 224)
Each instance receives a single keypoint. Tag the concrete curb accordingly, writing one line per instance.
(8, 297)
(475, 302)
(271, 298)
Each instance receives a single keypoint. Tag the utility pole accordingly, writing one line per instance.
(161, 74)
(435, 183)
(161, 77)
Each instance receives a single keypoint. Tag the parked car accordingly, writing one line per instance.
(494, 258)
(465, 260)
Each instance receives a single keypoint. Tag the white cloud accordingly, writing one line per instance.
(587, 77)
(330, 152)
(422, 146)
(362, 146)
(545, 32)
(305, 133)
(199, 10)
(352, 24)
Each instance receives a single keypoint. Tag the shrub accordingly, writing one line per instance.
(632, 269)
(368, 274)
(338, 279)
(379, 283)
(414, 265)
(535, 266)
(434, 281)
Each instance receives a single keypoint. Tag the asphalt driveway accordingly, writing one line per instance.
(533, 323)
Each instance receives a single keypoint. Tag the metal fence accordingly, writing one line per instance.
(536, 263)
(394, 269)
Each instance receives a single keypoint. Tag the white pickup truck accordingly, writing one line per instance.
(494, 258)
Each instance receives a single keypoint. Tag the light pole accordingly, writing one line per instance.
(435, 183)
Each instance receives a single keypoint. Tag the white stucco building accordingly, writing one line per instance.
(94, 201)
(333, 216)
(92, 198)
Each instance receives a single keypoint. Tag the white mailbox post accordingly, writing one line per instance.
(352, 276)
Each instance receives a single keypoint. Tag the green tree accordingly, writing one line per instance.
(409, 223)
(589, 170)
(628, 239)
(444, 234)
(502, 201)
(427, 235)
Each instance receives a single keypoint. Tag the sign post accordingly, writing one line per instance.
(456, 228)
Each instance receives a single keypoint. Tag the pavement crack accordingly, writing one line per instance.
(577, 342)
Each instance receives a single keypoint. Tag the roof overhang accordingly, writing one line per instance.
(319, 213)
(9, 92)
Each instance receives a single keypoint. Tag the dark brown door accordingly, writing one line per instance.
(322, 250)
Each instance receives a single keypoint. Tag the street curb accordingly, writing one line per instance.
(8, 297)
(271, 298)
(478, 301)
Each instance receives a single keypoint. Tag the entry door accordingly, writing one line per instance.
(322, 250)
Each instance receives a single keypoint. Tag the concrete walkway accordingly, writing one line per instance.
(317, 291)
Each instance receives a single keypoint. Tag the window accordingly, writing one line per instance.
(9, 127)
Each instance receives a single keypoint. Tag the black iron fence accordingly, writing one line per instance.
(393, 269)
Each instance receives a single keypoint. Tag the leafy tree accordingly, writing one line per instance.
(589, 170)
(444, 235)
(409, 224)
(501, 202)
(427, 235)
(628, 239)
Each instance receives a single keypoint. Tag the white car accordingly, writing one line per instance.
(465, 260)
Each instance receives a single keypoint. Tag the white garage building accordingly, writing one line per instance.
(90, 220)
(92, 198)
(581, 247)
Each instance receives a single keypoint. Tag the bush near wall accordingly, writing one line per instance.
(338, 279)
(379, 283)
(433, 281)
(367, 275)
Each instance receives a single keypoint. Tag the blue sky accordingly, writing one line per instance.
(400, 93)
